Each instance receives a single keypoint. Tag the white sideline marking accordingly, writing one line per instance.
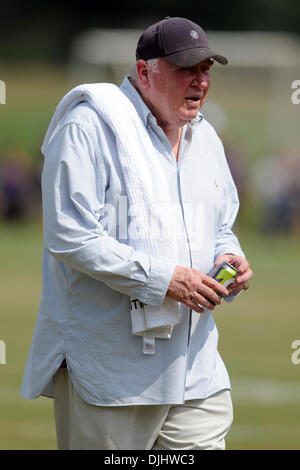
(265, 391)
(262, 432)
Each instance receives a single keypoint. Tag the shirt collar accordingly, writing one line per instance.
(142, 109)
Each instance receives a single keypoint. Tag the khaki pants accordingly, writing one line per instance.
(195, 425)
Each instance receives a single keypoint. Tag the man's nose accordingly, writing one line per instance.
(200, 80)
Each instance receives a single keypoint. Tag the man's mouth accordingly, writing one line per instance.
(193, 99)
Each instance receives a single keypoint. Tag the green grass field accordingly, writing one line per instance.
(256, 333)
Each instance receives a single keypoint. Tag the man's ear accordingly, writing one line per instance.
(142, 71)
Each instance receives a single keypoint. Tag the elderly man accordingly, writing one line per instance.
(138, 205)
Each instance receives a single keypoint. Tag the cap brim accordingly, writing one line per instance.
(191, 57)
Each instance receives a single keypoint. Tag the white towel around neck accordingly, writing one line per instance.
(145, 185)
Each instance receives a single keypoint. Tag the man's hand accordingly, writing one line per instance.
(195, 289)
(244, 271)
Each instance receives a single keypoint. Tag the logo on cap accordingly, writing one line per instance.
(194, 34)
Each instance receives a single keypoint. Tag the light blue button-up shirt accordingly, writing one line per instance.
(90, 273)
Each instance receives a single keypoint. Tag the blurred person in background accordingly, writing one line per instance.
(277, 182)
(15, 185)
(138, 205)
(291, 175)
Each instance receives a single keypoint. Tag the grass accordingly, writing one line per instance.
(23, 424)
(32, 93)
(256, 333)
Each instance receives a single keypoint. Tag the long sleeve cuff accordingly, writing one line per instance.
(155, 289)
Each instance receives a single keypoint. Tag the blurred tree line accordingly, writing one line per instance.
(44, 30)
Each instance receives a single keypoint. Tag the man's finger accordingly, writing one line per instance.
(209, 294)
(243, 267)
(204, 301)
(244, 277)
(196, 306)
(235, 288)
(215, 285)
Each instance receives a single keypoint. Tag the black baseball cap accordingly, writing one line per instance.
(177, 40)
